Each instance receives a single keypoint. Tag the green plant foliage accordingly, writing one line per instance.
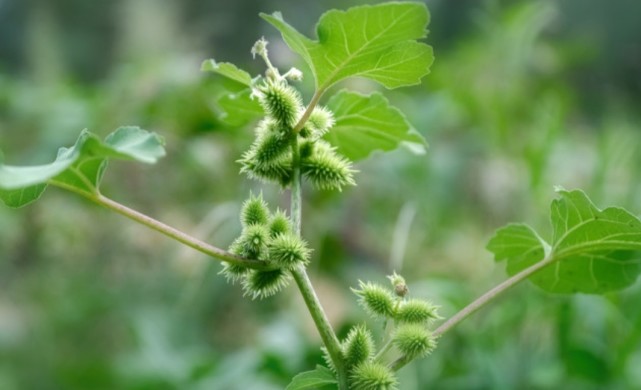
(365, 123)
(591, 251)
(315, 379)
(228, 70)
(238, 108)
(80, 167)
(376, 42)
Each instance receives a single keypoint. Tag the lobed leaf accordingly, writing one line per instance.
(592, 250)
(365, 123)
(228, 70)
(377, 42)
(239, 108)
(80, 167)
(314, 379)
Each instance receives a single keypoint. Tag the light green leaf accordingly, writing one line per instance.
(314, 379)
(239, 109)
(80, 167)
(365, 123)
(592, 250)
(377, 42)
(228, 70)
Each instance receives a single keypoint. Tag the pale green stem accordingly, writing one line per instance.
(167, 230)
(308, 111)
(386, 347)
(479, 303)
(304, 284)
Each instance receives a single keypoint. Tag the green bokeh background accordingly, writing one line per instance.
(524, 95)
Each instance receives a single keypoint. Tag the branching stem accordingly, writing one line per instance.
(165, 229)
(479, 303)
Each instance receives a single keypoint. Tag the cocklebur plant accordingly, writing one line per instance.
(591, 250)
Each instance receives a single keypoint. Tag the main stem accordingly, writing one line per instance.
(479, 303)
(305, 285)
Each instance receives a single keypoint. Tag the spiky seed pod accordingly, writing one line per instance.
(358, 346)
(414, 340)
(280, 102)
(252, 243)
(288, 250)
(416, 311)
(372, 376)
(279, 224)
(375, 299)
(263, 284)
(254, 211)
(233, 272)
(267, 126)
(279, 171)
(326, 169)
(321, 121)
(269, 148)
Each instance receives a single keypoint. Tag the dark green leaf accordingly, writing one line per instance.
(228, 70)
(377, 42)
(592, 250)
(80, 167)
(365, 123)
(314, 379)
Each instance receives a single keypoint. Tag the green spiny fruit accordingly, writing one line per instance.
(328, 359)
(254, 211)
(358, 346)
(281, 102)
(413, 340)
(372, 376)
(279, 171)
(269, 148)
(326, 169)
(252, 243)
(234, 272)
(306, 149)
(279, 224)
(320, 122)
(375, 299)
(288, 250)
(263, 284)
(417, 311)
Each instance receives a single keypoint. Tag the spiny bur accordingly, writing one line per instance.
(288, 250)
(358, 346)
(252, 242)
(279, 224)
(375, 299)
(254, 211)
(417, 311)
(413, 340)
(278, 170)
(326, 169)
(372, 376)
(319, 123)
(234, 272)
(263, 284)
(280, 101)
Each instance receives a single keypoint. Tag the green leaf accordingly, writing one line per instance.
(239, 109)
(314, 379)
(592, 250)
(365, 123)
(228, 70)
(80, 167)
(377, 42)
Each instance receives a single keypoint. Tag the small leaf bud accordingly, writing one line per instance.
(372, 376)
(375, 299)
(254, 211)
(358, 346)
(400, 287)
(288, 250)
(294, 75)
(260, 48)
(263, 284)
(414, 340)
(417, 311)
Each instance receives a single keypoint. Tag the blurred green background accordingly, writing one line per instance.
(524, 95)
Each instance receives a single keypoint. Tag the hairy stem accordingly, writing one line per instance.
(165, 229)
(479, 303)
(304, 284)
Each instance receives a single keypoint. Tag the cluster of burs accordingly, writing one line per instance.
(285, 143)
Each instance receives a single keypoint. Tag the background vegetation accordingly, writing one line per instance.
(523, 95)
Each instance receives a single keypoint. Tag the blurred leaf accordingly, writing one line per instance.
(592, 251)
(239, 108)
(365, 123)
(228, 70)
(376, 42)
(80, 167)
(314, 379)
